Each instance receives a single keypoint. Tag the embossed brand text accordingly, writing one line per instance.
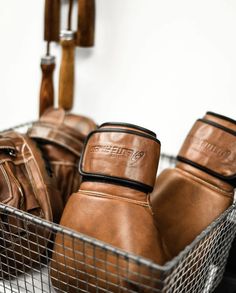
(206, 146)
(119, 152)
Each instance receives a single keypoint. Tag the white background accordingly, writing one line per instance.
(158, 64)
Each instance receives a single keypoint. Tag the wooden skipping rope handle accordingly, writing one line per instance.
(86, 23)
(66, 79)
(47, 89)
(84, 38)
(51, 34)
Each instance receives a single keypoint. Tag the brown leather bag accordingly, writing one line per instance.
(60, 136)
(118, 166)
(26, 185)
(188, 198)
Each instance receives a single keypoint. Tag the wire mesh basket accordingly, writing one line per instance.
(25, 256)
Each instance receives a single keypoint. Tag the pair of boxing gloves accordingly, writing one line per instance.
(116, 202)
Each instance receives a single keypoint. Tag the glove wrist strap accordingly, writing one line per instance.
(211, 147)
(121, 156)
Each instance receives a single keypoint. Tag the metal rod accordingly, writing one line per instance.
(48, 49)
(70, 14)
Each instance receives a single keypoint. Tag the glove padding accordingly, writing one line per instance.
(118, 166)
(187, 198)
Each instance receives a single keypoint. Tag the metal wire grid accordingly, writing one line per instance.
(89, 265)
(200, 267)
(83, 264)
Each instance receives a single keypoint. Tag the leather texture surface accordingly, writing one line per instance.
(212, 148)
(25, 185)
(113, 206)
(188, 198)
(231, 124)
(60, 136)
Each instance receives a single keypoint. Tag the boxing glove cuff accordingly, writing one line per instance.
(211, 147)
(126, 156)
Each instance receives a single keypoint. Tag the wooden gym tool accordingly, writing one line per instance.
(66, 78)
(86, 23)
(51, 34)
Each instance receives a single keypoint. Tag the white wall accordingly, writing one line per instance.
(159, 64)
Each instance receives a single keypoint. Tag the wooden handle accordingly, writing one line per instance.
(52, 20)
(86, 23)
(66, 79)
(46, 89)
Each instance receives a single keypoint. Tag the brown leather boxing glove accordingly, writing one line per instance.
(60, 136)
(189, 197)
(25, 185)
(231, 124)
(118, 166)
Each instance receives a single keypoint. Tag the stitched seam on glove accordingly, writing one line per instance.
(110, 196)
(205, 183)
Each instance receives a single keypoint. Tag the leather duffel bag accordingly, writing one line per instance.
(26, 183)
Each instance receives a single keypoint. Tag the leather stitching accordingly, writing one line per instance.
(8, 184)
(17, 184)
(17, 162)
(205, 183)
(150, 204)
(110, 196)
(64, 163)
(7, 147)
(5, 160)
(34, 187)
(66, 146)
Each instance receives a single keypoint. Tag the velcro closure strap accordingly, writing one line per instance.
(121, 156)
(57, 135)
(212, 148)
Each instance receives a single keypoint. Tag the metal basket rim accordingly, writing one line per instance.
(24, 124)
